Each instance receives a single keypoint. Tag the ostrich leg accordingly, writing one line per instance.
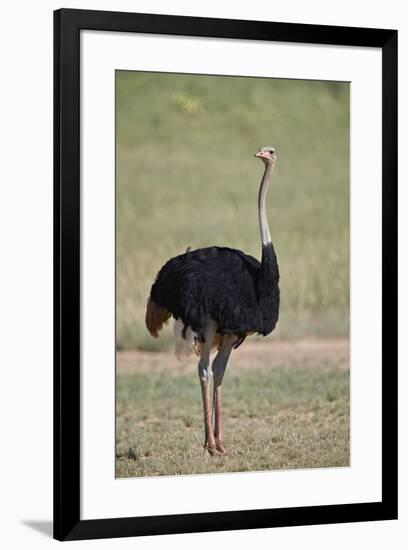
(218, 367)
(205, 374)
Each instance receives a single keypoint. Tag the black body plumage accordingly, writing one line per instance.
(223, 284)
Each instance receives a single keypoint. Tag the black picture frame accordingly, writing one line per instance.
(67, 26)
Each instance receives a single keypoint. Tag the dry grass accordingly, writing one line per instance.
(285, 405)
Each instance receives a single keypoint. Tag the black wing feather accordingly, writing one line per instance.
(218, 283)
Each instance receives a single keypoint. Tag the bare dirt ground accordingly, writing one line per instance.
(249, 355)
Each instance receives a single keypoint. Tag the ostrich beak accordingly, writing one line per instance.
(261, 155)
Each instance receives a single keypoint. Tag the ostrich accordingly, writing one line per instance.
(218, 296)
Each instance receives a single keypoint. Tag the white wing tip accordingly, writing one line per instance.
(184, 347)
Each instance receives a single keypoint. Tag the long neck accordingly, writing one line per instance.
(263, 220)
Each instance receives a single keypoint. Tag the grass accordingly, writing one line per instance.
(279, 412)
(186, 176)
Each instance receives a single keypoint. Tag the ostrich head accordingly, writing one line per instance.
(267, 154)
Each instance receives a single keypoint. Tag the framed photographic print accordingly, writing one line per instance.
(169, 131)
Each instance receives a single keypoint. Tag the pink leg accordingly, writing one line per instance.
(204, 374)
(209, 443)
(218, 423)
(219, 365)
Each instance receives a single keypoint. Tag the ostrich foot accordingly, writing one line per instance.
(213, 449)
(220, 448)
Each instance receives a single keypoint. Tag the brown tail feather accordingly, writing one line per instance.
(156, 317)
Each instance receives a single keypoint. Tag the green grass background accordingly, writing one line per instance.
(186, 176)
